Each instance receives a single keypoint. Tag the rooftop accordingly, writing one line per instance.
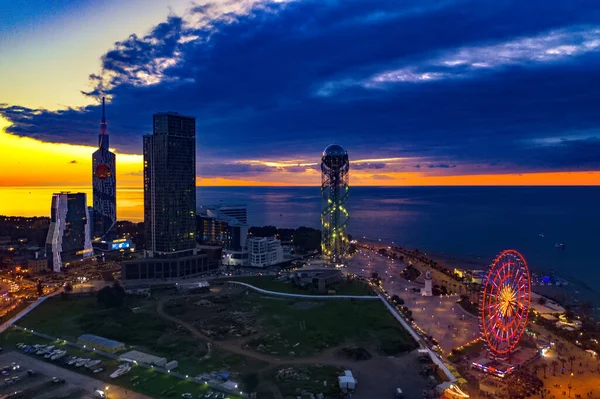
(101, 341)
(171, 113)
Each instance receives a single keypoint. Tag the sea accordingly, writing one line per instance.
(462, 226)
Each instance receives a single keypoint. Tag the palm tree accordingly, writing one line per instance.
(545, 367)
(571, 358)
(554, 364)
(563, 361)
(536, 368)
(476, 291)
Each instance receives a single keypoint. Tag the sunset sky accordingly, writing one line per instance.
(420, 92)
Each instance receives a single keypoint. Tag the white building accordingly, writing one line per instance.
(428, 290)
(69, 234)
(264, 251)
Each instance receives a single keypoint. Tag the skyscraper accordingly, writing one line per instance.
(69, 236)
(170, 185)
(334, 194)
(104, 184)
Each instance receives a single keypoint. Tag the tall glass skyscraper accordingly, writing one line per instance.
(170, 185)
(334, 194)
(104, 185)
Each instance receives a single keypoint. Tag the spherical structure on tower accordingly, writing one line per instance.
(334, 194)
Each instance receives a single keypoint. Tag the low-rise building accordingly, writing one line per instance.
(37, 265)
(142, 357)
(119, 244)
(264, 251)
(235, 258)
(167, 268)
(100, 343)
(321, 280)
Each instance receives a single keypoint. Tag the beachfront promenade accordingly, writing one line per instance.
(437, 316)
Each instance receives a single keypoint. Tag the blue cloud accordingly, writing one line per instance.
(419, 78)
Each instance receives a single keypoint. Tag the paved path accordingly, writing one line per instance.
(378, 377)
(85, 383)
(304, 296)
(236, 345)
(437, 316)
(4, 326)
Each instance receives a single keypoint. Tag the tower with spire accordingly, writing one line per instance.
(104, 184)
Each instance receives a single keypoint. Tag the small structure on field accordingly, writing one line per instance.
(100, 343)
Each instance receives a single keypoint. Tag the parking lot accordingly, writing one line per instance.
(41, 385)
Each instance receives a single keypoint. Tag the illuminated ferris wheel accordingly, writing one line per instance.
(504, 304)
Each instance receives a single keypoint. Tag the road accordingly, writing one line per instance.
(28, 309)
(85, 383)
(437, 316)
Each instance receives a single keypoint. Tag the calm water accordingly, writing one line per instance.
(474, 221)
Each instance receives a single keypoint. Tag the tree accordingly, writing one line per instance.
(111, 297)
(40, 288)
(542, 301)
(119, 290)
(571, 358)
(554, 364)
(68, 288)
(569, 315)
(545, 367)
(250, 381)
(536, 368)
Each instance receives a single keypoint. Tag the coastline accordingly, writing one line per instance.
(573, 294)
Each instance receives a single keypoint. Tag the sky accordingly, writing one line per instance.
(420, 92)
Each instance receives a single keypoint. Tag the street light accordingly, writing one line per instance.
(570, 380)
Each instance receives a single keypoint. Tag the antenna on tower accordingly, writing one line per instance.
(103, 114)
(103, 138)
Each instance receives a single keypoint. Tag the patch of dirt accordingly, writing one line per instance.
(355, 353)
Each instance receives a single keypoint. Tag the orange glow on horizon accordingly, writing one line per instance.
(31, 170)
(584, 178)
(25, 161)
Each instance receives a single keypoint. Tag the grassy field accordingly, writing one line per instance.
(345, 287)
(68, 319)
(281, 326)
(292, 380)
(149, 382)
(136, 324)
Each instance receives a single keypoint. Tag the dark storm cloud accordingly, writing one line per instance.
(452, 81)
(232, 169)
(441, 165)
(368, 165)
